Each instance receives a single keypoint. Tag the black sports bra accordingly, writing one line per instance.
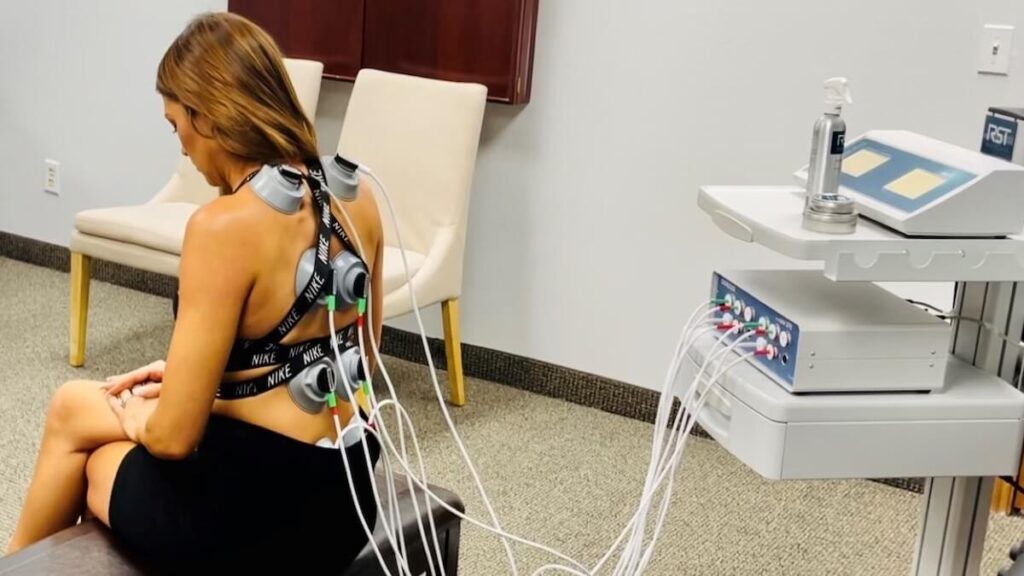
(268, 350)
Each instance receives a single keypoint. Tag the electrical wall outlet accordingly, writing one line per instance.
(51, 178)
(994, 51)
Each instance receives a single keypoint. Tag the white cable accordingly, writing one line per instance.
(560, 568)
(390, 445)
(369, 465)
(669, 398)
(382, 517)
(381, 365)
(391, 518)
(690, 411)
(666, 397)
(422, 483)
(672, 374)
(355, 499)
(649, 553)
(440, 501)
(661, 448)
(404, 459)
(372, 399)
(629, 562)
(664, 408)
(385, 461)
(433, 373)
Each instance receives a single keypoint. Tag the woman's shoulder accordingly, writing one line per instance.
(364, 213)
(224, 218)
(229, 212)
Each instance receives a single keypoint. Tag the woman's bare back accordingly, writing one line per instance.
(276, 255)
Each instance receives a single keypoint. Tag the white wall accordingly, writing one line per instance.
(586, 247)
(77, 84)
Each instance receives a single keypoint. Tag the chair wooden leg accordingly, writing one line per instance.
(453, 350)
(80, 268)
(1002, 496)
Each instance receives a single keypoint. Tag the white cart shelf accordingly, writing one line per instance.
(972, 427)
(772, 216)
(954, 515)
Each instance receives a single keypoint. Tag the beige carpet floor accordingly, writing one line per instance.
(561, 474)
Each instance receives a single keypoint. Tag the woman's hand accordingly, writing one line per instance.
(133, 412)
(151, 373)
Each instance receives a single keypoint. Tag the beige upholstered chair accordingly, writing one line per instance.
(149, 237)
(420, 137)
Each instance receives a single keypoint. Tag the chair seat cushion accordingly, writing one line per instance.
(394, 274)
(160, 226)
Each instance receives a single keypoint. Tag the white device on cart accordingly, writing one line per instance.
(920, 186)
(823, 336)
(972, 427)
(956, 437)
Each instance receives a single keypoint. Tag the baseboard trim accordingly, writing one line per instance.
(520, 372)
(58, 258)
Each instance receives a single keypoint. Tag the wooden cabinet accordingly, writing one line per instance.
(485, 41)
(329, 31)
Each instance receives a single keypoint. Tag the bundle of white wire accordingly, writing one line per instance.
(667, 450)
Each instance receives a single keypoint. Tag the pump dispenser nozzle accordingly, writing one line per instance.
(837, 93)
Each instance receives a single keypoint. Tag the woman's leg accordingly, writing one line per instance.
(78, 421)
(101, 470)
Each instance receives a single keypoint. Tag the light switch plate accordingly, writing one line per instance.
(51, 179)
(995, 49)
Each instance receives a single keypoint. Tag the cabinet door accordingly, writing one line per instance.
(329, 31)
(485, 41)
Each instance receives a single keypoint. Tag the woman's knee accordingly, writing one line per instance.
(79, 406)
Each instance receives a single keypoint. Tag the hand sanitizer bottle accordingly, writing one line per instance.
(825, 209)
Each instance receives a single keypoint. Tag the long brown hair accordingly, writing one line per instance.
(231, 71)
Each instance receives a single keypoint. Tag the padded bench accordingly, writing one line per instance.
(1017, 568)
(89, 549)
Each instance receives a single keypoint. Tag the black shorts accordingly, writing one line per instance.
(247, 500)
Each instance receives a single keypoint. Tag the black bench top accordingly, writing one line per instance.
(89, 548)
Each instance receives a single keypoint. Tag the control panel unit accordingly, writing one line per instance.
(815, 335)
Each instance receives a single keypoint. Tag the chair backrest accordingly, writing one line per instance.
(420, 137)
(188, 185)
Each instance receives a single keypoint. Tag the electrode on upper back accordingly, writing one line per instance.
(280, 186)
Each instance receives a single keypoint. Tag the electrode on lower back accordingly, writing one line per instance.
(310, 389)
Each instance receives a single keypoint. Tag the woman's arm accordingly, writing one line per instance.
(376, 300)
(215, 278)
